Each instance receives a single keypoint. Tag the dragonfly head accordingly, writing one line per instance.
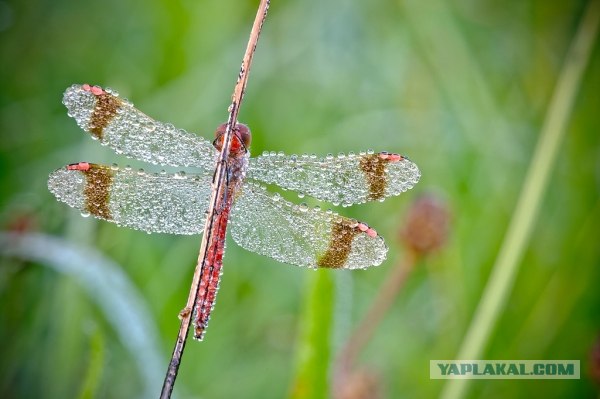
(239, 142)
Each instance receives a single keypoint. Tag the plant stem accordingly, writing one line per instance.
(217, 193)
(377, 311)
(503, 274)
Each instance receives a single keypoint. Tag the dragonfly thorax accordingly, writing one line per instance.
(239, 142)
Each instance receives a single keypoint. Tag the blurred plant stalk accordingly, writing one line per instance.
(425, 231)
(210, 234)
(594, 363)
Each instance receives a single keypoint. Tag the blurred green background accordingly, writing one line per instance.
(461, 87)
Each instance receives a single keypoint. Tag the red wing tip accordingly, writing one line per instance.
(82, 166)
(95, 90)
(392, 157)
(366, 229)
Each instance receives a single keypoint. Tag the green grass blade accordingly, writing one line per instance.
(108, 286)
(505, 269)
(314, 348)
(93, 374)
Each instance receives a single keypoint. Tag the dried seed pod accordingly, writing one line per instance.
(427, 225)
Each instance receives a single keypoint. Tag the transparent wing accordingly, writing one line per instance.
(116, 123)
(296, 234)
(155, 203)
(345, 179)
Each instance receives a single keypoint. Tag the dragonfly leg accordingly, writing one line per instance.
(185, 312)
(228, 179)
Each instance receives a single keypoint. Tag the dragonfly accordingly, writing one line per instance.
(261, 221)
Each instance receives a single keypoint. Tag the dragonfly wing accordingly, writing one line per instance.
(267, 224)
(345, 179)
(116, 123)
(155, 203)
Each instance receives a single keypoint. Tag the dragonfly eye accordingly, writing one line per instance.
(241, 131)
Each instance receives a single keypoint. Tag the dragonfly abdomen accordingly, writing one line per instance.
(211, 274)
(212, 269)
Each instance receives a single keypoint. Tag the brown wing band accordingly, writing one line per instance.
(340, 246)
(97, 190)
(373, 167)
(105, 110)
